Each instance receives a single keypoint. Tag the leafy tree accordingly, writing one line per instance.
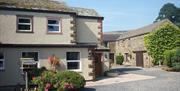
(178, 41)
(171, 12)
(161, 39)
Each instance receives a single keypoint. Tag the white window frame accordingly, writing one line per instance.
(3, 60)
(80, 63)
(30, 51)
(24, 17)
(59, 25)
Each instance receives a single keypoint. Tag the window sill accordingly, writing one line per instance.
(78, 70)
(24, 32)
(55, 33)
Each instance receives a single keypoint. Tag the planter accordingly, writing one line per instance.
(112, 74)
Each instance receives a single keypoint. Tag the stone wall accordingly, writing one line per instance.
(128, 48)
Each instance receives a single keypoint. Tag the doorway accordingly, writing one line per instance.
(111, 57)
(139, 59)
(98, 64)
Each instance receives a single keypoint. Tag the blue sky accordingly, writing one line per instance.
(124, 14)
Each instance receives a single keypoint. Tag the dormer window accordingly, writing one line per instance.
(54, 25)
(24, 24)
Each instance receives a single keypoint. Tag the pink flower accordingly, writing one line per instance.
(69, 87)
(33, 78)
(48, 86)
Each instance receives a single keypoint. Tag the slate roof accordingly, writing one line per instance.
(141, 31)
(35, 4)
(48, 5)
(85, 11)
(112, 36)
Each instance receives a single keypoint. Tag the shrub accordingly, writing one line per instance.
(46, 78)
(172, 56)
(172, 59)
(61, 81)
(119, 59)
(37, 72)
(168, 55)
(176, 67)
(72, 77)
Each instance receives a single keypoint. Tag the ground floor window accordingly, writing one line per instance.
(2, 59)
(33, 55)
(73, 60)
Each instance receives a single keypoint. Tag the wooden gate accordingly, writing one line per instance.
(139, 59)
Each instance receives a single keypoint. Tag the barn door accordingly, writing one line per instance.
(139, 59)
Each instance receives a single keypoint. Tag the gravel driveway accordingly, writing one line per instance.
(163, 81)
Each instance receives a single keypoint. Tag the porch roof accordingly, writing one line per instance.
(102, 48)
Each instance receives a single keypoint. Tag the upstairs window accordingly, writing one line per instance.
(73, 60)
(24, 24)
(54, 25)
(2, 59)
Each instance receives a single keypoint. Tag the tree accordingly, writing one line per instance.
(161, 39)
(171, 12)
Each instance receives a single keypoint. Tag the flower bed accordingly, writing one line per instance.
(59, 81)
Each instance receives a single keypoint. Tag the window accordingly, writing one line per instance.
(30, 55)
(24, 24)
(73, 60)
(106, 44)
(54, 26)
(126, 57)
(2, 59)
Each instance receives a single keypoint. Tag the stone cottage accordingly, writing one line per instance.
(131, 45)
(38, 29)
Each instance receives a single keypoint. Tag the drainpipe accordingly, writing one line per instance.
(26, 75)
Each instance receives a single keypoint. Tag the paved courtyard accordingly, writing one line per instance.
(138, 79)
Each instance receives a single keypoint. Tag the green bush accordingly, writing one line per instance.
(172, 56)
(61, 81)
(176, 67)
(73, 78)
(119, 59)
(168, 57)
(172, 59)
(47, 77)
(38, 71)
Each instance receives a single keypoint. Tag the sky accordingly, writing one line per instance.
(124, 15)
